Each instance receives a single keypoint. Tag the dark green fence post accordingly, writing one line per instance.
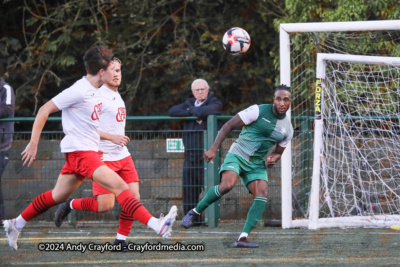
(206, 178)
(211, 175)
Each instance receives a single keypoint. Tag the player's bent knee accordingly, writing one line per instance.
(121, 187)
(105, 208)
(60, 197)
(134, 188)
(228, 181)
(105, 202)
(224, 188)
(137, 196)
(262, 194)
(108, 179)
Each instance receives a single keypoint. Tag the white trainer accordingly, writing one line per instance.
(166, 222)
(12, 233)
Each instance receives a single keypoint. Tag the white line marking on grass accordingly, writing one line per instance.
(282, 232)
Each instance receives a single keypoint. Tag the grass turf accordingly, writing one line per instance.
(277, 247)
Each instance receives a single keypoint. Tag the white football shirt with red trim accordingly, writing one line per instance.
(112, 120)
(81, 106)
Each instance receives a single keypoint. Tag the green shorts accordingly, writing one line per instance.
(247, 171)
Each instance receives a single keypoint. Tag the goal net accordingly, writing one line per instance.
(371, 189)
(356, 168)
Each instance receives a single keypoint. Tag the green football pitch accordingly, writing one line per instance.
(209, 247)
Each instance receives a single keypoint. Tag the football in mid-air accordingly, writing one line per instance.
(236, 41)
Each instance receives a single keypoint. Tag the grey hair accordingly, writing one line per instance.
(200, 80)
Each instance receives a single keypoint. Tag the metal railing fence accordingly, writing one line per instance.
(158, 158)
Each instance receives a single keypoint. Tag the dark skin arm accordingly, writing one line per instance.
(235, 122)
(273, 158)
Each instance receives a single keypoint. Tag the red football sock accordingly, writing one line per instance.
(133, 208)
(125, 224)
(38, 206)
(88, 204)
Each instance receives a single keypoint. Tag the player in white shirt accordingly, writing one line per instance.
(81, 107)
(118, 158)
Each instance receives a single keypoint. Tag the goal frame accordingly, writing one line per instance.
(314, 221)
(285, 78)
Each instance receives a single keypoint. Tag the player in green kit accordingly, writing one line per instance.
(263, 127)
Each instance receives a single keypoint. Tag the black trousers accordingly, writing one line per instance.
(3, 163)
(192, 182)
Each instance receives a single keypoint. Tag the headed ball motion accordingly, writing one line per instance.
(236, 41)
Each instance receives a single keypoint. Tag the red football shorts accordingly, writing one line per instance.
(82, 163)
(125, 168)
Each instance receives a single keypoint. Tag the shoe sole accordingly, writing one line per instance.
(124, 247)
(187, 226)
(6, 228)
(173, 212)
(59, 219)
(236, 245)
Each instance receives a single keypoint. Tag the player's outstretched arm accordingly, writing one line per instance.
(235, 122)
(29, 154)
(117, 139)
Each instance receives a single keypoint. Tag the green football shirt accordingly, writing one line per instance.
(261, 132)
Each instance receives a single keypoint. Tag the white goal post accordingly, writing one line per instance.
(286, 73)
(375, 220)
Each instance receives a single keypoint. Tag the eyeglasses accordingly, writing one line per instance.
(200, 90)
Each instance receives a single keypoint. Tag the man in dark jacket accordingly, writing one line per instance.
(200, 106)
(7, 103)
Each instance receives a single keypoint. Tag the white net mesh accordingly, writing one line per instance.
(304, 48)
(360, 168)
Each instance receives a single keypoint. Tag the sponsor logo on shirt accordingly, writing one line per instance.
(121, 115)
(97, 111)
(266, 120)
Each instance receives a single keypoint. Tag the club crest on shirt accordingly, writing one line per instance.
(121, 115)
(97, 111)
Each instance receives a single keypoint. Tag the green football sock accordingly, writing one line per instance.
(255, 213)
(211, 196)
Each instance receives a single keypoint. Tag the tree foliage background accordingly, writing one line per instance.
(164, 45)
